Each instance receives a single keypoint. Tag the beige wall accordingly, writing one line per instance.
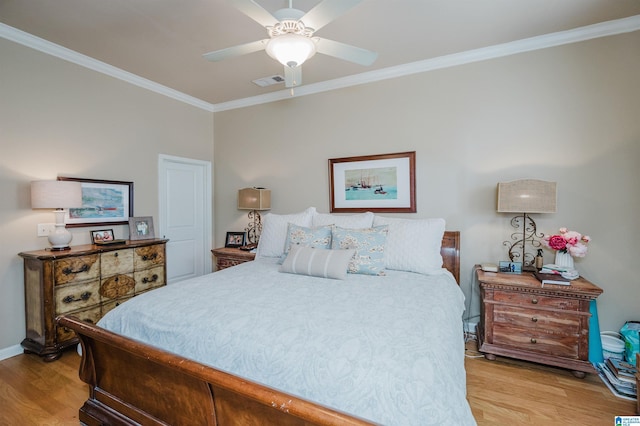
(569, 114)
(57, 118)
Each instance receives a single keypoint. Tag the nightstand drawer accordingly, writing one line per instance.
(536, 300)
(555, 322)
(536, 340)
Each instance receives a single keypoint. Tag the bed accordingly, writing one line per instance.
(286, 349)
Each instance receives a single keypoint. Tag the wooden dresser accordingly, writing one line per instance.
(86, 281)
(521, 319)
(231, 256)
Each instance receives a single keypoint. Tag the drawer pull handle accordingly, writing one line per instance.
(115, 254)
(150, 257)
(533, 340)
(534, 301)
(534, 319)
(84, 296)
(153, 278)
(69, 271)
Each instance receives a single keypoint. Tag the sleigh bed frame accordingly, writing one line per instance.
(134, 383)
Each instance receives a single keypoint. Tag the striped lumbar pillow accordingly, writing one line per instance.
(317, 262)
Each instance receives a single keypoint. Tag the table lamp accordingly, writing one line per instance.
(254, 199)
(58, 195)
(525, 196)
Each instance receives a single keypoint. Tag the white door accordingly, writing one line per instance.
(185, 215)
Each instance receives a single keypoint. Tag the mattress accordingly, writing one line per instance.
(388, 349)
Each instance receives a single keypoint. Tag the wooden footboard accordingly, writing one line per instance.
(134, 383)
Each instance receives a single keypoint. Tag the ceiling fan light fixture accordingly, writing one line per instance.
(291, 50)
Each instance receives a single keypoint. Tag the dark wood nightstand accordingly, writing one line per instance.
(521, 319)
(231, 256)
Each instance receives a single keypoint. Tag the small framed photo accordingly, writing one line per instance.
(235, 239)
(510, 267)
(101, 236)
(141, 228)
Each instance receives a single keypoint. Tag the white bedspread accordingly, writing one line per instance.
(387, 349)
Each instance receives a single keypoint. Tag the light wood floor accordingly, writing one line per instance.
(504, 392)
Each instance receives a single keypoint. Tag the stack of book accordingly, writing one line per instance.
(620, 377)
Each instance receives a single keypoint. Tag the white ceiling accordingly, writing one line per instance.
(164, 40)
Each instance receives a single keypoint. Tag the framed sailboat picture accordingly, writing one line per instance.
(376, 183)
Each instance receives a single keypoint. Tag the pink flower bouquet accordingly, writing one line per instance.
(566, 241)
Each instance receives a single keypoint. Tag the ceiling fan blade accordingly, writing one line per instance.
(239, 50)
(326, 11)
(256, 12)
(292, 76)
(345, 51)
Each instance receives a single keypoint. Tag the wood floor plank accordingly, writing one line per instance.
(503, 391)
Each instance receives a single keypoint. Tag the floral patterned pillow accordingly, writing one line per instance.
(369, 244)
(318, 237)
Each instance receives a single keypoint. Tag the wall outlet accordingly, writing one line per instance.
(44, 229)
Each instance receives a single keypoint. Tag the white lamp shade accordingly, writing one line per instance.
(55, 194)
(254, 199)
(291, 49)
(527, 196)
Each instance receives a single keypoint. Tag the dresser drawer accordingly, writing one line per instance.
(76, 269)
(149, 256)
(536, 340)
(106, 307)
(117, 286)
(76, 296)
(551, 321)
(91, 315)
(533, 299)
(116, 262)
(149, 278)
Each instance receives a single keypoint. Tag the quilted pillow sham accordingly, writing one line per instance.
(369, 244)
(317, 262)
(413, 244)
(315, 237)
(274, 231)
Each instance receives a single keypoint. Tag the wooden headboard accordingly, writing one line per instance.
(450, 252)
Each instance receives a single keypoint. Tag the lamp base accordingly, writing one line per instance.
(58, 248)
(60, 237)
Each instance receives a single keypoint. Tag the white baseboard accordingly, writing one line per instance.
(10, 352)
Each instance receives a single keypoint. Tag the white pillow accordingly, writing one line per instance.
(356, 221)
(413, 244)
(274, 231)
(317, 262)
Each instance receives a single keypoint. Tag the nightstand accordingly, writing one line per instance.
(231, 256)
(521, 319)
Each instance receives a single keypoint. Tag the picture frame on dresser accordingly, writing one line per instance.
(104, 202)
(141, 228)
(101, 235)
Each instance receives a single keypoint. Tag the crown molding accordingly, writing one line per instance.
(603, 29)
(42, 45)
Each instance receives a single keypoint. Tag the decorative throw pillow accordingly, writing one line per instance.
(318, 237)
(274, 231)
(317, 262)
(413, 244)
(360, 220)
(369, 244)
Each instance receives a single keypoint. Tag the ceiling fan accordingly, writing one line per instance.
(291, 39)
